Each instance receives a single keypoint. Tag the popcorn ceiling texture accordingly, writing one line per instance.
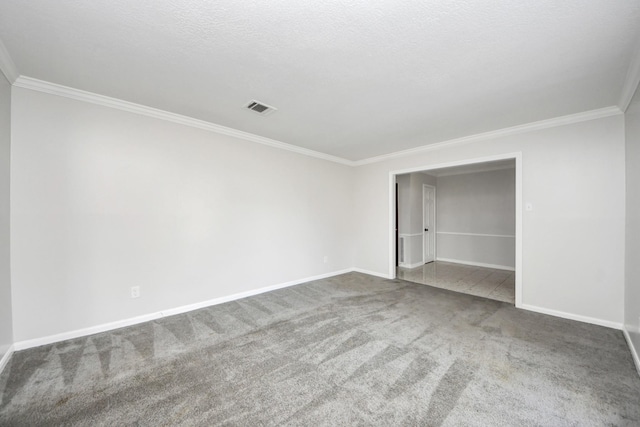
(352, 79)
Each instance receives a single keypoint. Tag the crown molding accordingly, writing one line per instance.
(93, 98)
(7, 66)
(631, 81)
(528, 127)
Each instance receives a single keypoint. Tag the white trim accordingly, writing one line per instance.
(475, 234)
(477, 264)
(528, 127)
(372, 273)
(7, 66)
(105, 101)
(631, 80)
(415, 265)
(519, 231)
(22, 345)
(427, 168)
(7, 356)
(392, 224)
(570, 316)
(634, 353)
(410, 235)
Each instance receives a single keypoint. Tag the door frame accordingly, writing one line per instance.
(396, 224)
(433, 225)
(517, 156)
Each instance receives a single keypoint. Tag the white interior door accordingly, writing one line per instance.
(429, 223)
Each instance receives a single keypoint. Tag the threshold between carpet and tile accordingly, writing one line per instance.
(484, 282)
(351, 349)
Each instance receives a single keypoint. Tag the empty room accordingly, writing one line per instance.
(199, 219)
(456, 228)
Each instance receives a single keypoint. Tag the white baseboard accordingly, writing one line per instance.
(22, 345)
(570, 316)
(371, 273)
(477, 264)
(634, 352)
(417, 264)
(50, 339)
(5, 359)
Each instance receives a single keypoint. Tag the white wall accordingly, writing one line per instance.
(6, 327)
(410, 215)
(405, 249)
(632, 270)
(573, 241)
(476, 218)
(404, 203)
(103, 200)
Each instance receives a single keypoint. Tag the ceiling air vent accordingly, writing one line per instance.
(260, 108)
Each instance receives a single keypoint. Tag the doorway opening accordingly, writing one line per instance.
(459, 226)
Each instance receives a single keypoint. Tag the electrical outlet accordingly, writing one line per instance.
(326, 259)
(135, 292)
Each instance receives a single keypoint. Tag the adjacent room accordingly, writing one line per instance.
(319, 213)
(456, 228)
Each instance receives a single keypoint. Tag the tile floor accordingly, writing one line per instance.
(484, 282)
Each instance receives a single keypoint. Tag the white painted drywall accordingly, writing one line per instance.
(474, 204)
(406, 249)
(410, 215)
(103, 200)
(573, 240)
(6, 326)
(632, 254)
(404, 204)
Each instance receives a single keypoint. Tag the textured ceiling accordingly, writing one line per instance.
(354, 79)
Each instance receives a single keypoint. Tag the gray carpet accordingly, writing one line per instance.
(349, 350)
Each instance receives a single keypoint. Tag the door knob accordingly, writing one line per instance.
(426, 229)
